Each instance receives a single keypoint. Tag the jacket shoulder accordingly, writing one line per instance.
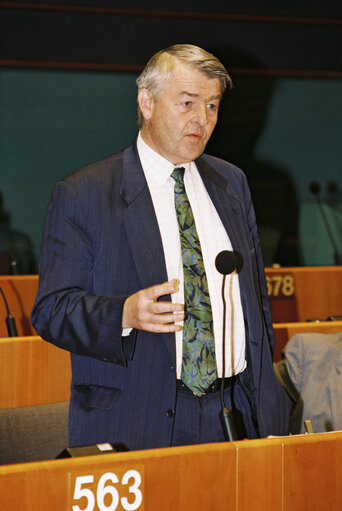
(98, 171)
(224, 167)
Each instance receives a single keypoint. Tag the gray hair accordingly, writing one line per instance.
(160, 67)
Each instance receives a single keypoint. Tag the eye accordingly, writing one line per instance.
(212, 107)
(187, 104)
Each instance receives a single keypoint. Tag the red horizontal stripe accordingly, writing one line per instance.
(137, 68)
(165, 13)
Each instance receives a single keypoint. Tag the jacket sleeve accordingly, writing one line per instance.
(66, 311)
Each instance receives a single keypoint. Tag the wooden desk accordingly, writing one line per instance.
(281, 474)
(33, 372)
(299, 294)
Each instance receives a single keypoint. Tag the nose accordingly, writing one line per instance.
(201, 115)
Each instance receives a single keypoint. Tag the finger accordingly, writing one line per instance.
(158, 328)
(166, 288)
(165, 307)
(164, 319)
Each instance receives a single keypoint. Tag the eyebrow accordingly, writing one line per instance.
(192, 95)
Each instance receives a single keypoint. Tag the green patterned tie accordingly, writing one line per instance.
(198, 363)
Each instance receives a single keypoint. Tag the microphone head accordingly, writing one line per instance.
(333, 187)
(226, 262)
(315, 187)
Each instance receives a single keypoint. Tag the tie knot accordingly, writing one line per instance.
(178, 174)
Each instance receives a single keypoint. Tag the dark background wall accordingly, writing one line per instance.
(67, 97)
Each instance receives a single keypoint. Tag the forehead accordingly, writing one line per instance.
(187, 79)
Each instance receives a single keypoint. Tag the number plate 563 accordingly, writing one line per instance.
(106, 492)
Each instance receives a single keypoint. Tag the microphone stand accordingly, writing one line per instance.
(226, 415)
(315, 189)
(10, 321)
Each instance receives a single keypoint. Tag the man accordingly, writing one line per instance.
(16, 250)
(120, 258)
(310, 371)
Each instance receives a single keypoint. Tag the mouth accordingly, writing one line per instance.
(195, 136)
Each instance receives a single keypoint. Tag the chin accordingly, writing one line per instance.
(189, 154)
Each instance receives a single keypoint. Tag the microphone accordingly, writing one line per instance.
(10, 321)
(14, 267)
(226, 262)
(315, 189)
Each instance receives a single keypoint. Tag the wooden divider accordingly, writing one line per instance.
(276, 474)
(20, 292)
(33, 372)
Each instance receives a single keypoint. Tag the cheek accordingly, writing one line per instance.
(210, 126)
(176, 128)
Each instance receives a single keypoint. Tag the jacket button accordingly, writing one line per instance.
(170, 413)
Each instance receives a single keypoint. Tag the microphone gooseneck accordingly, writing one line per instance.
(10, 321)
(226, 263)
(315, 189)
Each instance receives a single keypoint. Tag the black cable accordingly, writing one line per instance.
(10, 321)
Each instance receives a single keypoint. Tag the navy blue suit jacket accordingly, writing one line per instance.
(102, 243)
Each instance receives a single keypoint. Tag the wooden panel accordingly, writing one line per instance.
(313, 473)
(259, 468)
(20, 292)
(283, 332)
(189, 478)
(285, 474)
(313, 293)
(33, 372)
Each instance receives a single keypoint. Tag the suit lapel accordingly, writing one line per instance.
(141, 223)
(230, 211)
(143, 231)
(227, 205)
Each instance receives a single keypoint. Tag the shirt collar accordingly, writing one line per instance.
(154, 165)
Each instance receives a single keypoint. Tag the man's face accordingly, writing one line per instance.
(179, 124)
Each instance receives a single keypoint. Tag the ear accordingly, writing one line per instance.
(146, 103)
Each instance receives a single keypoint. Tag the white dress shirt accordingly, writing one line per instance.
(213, 239)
